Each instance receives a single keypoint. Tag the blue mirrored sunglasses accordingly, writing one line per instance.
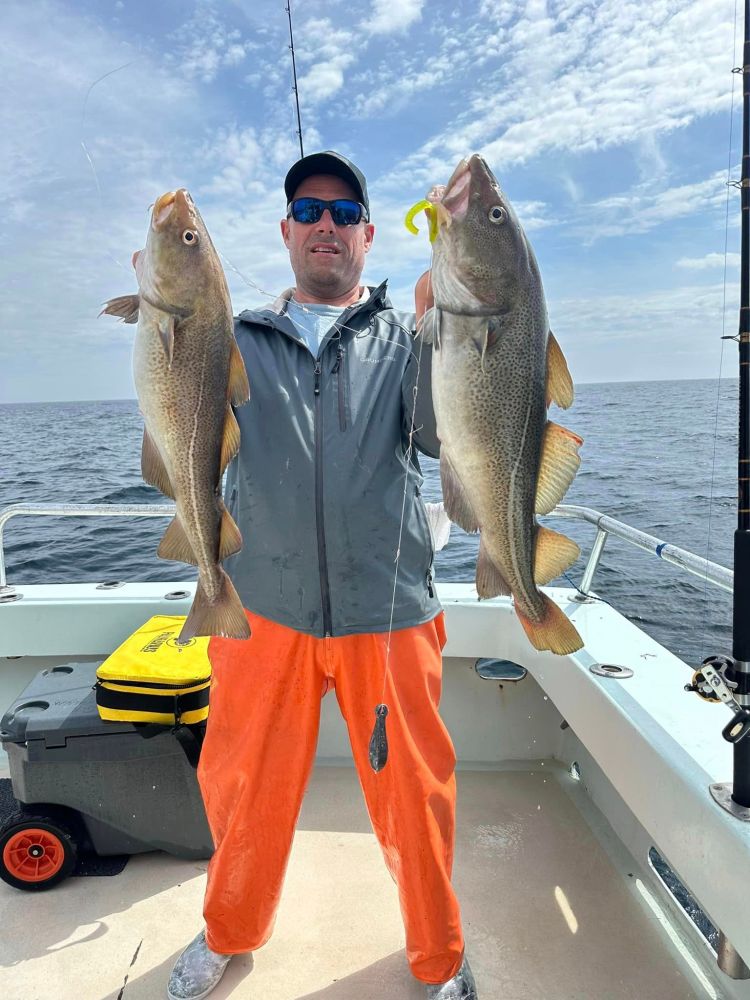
(344, 212)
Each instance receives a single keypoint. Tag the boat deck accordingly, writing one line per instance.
(551, 909)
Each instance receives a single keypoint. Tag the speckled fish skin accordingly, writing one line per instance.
(186, 373)
(490, 327)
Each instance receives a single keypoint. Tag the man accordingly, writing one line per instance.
(325, 490)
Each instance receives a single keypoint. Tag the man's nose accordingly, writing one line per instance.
(325, 222)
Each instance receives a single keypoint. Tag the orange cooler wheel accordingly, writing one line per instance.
(35, 853)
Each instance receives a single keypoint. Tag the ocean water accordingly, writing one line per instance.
(660, 456)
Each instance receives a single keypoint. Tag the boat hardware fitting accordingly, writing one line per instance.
(611, 670)
(713, 683)
(499, 670)
(730, 961)
(9, 594)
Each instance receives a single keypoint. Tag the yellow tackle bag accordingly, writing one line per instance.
(151, 678)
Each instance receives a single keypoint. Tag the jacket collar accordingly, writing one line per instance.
(275, 314)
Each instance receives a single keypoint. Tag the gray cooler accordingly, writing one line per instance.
(131, 794)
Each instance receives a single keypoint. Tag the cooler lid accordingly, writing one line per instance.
(58, 703)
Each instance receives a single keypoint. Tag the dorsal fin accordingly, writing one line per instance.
(553, 554)
(558, 465)
(230, 441)
(559, 383)
(230, 539)
(239, 387)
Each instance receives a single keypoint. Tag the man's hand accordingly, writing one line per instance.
(423, 297)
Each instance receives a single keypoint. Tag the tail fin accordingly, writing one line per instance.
(555, 631)
(225, 616)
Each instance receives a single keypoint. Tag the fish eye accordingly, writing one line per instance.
(497, 214)
(189, 236)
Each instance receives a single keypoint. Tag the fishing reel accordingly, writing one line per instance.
(714, 681)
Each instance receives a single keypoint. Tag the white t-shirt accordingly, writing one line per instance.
(315, 319)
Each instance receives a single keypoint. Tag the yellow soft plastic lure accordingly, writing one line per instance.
(431, 214)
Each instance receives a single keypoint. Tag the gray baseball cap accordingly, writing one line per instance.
(328, 162)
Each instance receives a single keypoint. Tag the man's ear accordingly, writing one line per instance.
(284, 224)
(369, 236)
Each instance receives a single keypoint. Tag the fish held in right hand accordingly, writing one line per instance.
(188, 374)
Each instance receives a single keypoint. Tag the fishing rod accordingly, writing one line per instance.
(725, 678)
(741, 611)
(288, 9)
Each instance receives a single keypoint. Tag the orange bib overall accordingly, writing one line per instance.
(261, 737)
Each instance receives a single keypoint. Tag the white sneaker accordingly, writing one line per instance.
(460, 987)
(197, 971)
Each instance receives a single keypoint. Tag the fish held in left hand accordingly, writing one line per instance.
(495, 369)
(188, 374)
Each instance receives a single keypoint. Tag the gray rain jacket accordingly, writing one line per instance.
(318, 485)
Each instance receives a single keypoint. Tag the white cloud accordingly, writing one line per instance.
(648, 205)
(205, 44)
(709, 261)
(552, 84)
(389, 17)
(667, 333)
(325, 51)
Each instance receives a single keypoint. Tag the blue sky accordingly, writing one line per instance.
(607, 124)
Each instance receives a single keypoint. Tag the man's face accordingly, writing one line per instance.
(327, 259)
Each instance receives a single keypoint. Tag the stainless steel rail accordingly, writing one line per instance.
(718, 575)
(78, 510)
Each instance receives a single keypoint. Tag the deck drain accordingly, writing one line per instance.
(110, 585)
(611, 670)
(8, 595)
(176, 595)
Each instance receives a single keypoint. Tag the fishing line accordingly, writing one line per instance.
(729, 185)
(88, 154)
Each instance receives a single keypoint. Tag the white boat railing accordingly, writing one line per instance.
(605, 526)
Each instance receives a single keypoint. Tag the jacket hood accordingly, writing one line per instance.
(271, 315)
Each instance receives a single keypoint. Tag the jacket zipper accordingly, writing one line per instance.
(325, 592)
(338, 371)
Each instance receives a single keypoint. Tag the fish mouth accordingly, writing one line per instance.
(163, 208)
(472, 176)
(456, 195)
(178, 201)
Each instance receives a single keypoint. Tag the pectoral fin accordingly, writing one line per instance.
(487, 338)
(457, 504)
(153, 469)
(553, 554)
(557, 467)
(126, 307)
(559, 382)
(230, 442)
(166, 335)
(239, 387)
(428, 328)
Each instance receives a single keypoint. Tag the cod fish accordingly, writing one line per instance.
(496, 367)
(188, 373)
